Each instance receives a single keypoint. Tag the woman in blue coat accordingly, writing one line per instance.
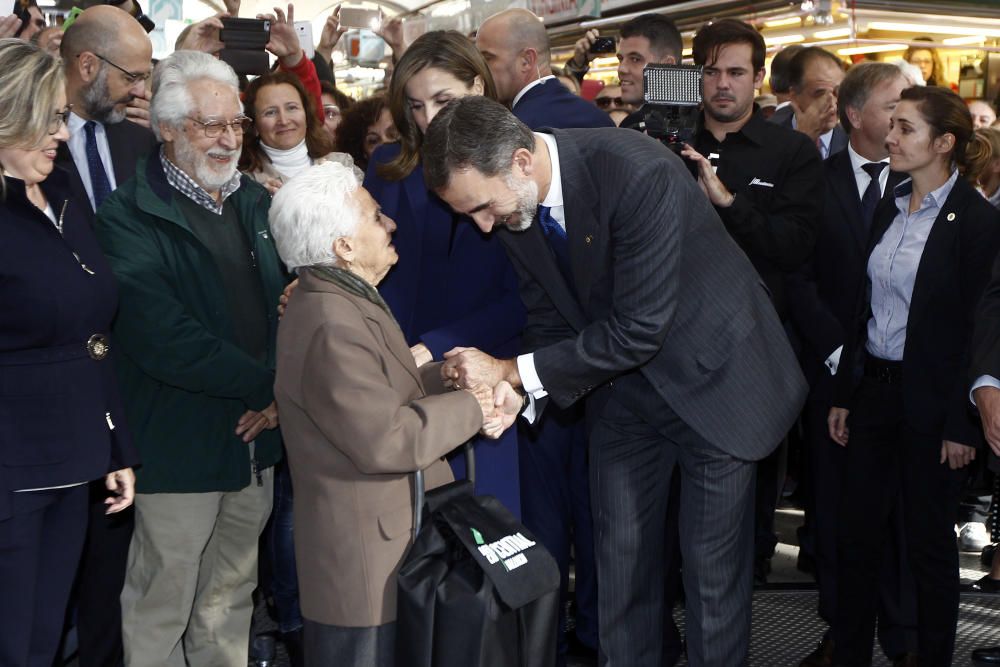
(61, 419)
(453, 285)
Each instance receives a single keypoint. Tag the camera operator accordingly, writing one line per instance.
(648, 38)
(766, 182)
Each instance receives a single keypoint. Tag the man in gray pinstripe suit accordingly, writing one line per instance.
(640, 303)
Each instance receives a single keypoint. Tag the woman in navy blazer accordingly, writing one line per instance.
(453, 285)
(61, 422)
(902, 401)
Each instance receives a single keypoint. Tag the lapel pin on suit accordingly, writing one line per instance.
(950, 217)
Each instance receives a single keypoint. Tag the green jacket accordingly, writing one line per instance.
(184, 382)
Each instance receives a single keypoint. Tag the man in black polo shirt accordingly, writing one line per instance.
(766, 182)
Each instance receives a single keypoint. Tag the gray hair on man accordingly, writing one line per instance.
(172, 101)
(858, 85)
(474, 132)
(311, 211)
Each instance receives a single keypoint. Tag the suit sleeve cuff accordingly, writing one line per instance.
(982, 381)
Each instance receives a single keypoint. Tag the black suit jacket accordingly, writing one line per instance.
(550, 104)
(951, 278)
(128, 142)
(659, 286)
(823, 294)
(838, 141)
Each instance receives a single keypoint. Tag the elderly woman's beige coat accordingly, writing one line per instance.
(357, 418)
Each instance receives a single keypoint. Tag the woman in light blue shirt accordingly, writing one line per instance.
(901, 402)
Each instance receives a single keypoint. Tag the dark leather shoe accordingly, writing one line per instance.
(906, 660)
(821, 657)
(986, 656)
(986, 585)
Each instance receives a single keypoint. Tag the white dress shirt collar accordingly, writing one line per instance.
(861, 176)
(554, 197)
(536, 82)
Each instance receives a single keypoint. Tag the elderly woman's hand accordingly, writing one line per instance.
(122, 483)
(484, 394)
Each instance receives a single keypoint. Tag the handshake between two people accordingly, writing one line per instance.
(492, 381)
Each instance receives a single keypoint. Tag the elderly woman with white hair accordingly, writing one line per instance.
(357, 415)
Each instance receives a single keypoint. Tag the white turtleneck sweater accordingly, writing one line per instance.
(288, 162)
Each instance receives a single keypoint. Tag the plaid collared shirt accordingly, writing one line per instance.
(186, 186)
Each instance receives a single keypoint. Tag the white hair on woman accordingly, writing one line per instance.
(172, 101)
(910, 71)
(312, 210)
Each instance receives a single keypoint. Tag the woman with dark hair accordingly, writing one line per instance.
(286, 136)
(901, 403)
(453, 285)
(365, 126)
(335, 103)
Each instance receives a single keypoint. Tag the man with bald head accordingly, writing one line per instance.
(516, 47)
(108, 60)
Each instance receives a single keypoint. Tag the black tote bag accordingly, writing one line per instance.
(476, 589)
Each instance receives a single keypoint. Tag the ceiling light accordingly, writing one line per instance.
(958, 41)
(832, 34)
(871, 48)
(779, 23)
(784, 39)
(921, 28)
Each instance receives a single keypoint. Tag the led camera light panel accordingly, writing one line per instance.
(672, 84)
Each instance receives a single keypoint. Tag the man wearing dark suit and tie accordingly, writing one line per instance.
(108, 61)
(822, 297)
(555, 493)
(516, 47)
(814, 75)
(639, 302)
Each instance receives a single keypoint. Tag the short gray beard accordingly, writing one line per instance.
(97, 103)
(190, 159)
(526, 192)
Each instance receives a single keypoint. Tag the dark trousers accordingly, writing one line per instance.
(632, 461)
(100, 580)
(40, 546)
(555, 504)
(825, 469)
(886, 459)
(279, 538)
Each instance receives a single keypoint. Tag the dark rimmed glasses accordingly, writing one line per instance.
(130, 77)
(213, 128)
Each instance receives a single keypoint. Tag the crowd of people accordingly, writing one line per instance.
(241, 315)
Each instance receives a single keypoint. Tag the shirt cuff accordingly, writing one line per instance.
(982, 381)
(529, 411)
(529, 376)
(833, 361)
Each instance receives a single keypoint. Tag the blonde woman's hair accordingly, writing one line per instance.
(32, 82)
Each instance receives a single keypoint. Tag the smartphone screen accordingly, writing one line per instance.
(356, 17)
(603, 45)
(305, 32)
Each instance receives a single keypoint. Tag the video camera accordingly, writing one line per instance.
(672, 95)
